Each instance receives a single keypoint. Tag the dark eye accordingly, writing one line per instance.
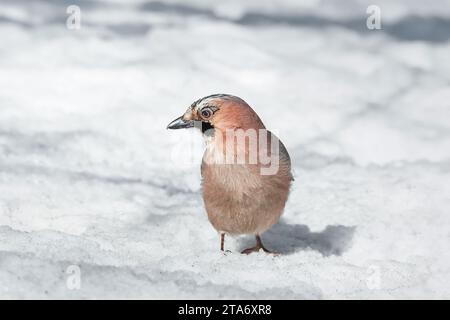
(206, 113)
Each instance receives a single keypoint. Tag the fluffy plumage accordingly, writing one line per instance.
(240, 193)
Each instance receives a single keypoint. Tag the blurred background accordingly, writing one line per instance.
(90, 176)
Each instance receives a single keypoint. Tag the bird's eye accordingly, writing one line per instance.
(206, 113)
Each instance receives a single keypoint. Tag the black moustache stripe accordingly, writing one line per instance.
(206, 126)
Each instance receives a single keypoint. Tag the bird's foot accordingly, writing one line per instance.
(251, 250)
(257, 249)
(226, 252)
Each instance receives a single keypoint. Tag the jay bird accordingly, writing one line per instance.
(246, 169)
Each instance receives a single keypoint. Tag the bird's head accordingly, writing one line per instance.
(218, 112)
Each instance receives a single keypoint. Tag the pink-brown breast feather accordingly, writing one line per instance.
(238, 198)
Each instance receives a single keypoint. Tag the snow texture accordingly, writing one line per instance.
(91, 180)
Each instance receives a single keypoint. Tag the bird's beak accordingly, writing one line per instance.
(180, 123)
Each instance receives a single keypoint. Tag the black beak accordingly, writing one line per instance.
(180, 123)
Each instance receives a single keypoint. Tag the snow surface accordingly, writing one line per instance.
(90, 177)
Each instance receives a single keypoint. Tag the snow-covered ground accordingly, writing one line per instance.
(93, 185)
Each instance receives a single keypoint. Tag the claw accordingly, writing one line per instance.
(258, 247)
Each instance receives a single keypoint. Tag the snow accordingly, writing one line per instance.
(90, 177)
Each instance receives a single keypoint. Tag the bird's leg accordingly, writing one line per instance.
(222, 241)
(259, 246)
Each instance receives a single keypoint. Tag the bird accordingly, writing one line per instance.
(246, 170)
